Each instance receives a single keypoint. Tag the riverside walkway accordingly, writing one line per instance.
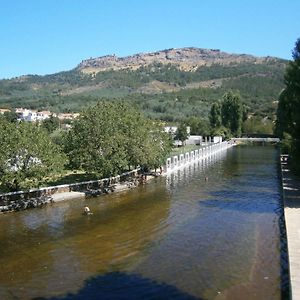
(257, 139)
(291, 196)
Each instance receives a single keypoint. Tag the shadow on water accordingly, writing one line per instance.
(284, 256)
(248, 202)
(122, 286)
(284, 261)
(232, 203)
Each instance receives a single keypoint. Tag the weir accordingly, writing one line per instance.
(178, 161)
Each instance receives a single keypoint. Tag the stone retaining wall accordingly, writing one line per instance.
(5, 199)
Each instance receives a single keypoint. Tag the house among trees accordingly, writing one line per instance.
(25, 114)
(30, 115)
(4, 110)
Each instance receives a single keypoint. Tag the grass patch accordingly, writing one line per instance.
(69, 178)
(183, 149)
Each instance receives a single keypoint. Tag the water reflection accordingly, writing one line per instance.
(183, 174)
(56, 248)
(229, 244)
(179, 237)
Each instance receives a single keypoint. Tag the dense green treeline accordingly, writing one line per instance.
(177, 98)
(288, 112)
(135, 78)
(106, 140)
(172, 74)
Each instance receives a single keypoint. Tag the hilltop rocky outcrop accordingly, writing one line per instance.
(187, 59)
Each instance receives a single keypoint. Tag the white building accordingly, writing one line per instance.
(171, 129)
(194, 140)
(29, 115)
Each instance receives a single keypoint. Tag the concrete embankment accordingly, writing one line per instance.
(67, 196)
(178, 161)
(291, 197)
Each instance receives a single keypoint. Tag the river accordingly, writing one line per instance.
(208, 231)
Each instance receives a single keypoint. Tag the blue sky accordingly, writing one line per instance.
(47, 36)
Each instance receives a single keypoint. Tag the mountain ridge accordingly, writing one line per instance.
(170, 84)
(187, 59)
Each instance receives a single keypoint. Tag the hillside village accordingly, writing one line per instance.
(31, 115)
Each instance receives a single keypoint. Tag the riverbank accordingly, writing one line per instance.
(67, 196)
(291, 196)
(38, 197)
(34, 198)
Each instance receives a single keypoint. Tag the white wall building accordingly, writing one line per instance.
(25, 114)
(171, 129)
(194, 140)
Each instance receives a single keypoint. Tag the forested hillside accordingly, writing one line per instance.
(170, 89)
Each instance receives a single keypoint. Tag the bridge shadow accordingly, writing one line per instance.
(123, 286)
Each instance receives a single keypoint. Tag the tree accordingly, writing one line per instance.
(258, 125)
(198, 126)
(221, 131)
(284, 121)
(27, 155)
(232, 113)
(157, 145)
(288, 112)
(10, 116)
(51, 124)
(181, 133)
(227, 115)
(215, 116)
(296, 51)
(95, 143)
(110, 137)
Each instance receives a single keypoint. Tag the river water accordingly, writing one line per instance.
(176, 237)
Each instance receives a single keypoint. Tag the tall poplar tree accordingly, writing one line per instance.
(232, 113)
(215, 116)
(228, 113)
(288, 112)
